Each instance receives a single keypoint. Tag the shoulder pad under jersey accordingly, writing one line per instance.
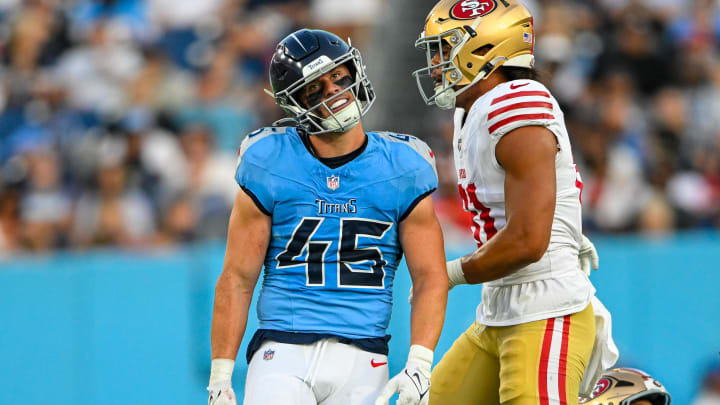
(517, 104)
(414, 143)
(257, 135)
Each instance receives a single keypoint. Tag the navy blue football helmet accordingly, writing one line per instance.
(302, 57)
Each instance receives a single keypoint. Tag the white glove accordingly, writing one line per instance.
(455, 277)
(588, 256)
(221, 393)
(220, 386)
(413, 382)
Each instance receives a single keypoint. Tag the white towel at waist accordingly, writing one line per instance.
(604, 353)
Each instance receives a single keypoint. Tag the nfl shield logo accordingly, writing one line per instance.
(269, 354)
(333, 182)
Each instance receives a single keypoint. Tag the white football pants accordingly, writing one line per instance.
(323, 373)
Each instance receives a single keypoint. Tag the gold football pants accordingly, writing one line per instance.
(535, 363)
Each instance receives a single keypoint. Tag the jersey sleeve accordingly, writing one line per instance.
(424, 183)
(255, 179)
(525, 103)
(421, 173)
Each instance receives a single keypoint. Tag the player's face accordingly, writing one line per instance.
(436, 61)
(642, 402)
(326, 86)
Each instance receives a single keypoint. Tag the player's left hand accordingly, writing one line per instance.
(588, 256)
(221, 393)
(413, 382)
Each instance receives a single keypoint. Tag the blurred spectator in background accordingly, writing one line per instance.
(179, 223)
(113, 212)
(615, 189)
(45, 207)
(218, 104)
(153, 156)
(209, 180)
(95, 72)
(178, 83)
(710, 390)
(9, 221)
(348, 18)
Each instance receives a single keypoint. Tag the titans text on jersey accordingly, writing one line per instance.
(325, 207)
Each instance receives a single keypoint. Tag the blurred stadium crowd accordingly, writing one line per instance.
(120, 119)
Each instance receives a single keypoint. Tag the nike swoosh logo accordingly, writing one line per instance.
(372, 363)
(418, 384)
(513, 87)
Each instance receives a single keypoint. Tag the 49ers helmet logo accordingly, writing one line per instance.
(601, 386)
(469, 9)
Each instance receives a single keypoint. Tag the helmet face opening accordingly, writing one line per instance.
(301, 59)
(440, 51)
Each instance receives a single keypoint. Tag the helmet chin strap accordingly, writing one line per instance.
(445, 98)
(343, 120)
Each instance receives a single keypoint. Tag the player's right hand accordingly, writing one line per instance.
(221, 393)
(413, 383)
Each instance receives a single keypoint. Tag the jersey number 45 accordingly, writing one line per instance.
(352, 262)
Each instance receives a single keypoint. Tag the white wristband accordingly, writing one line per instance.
(455, 274)
(221, 370)
(420, 355)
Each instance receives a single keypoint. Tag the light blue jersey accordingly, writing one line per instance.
(334, 246)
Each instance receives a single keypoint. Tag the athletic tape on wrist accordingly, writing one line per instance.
(221, 370)
(419, 354)
(455, 273)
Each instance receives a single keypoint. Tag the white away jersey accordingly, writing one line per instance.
(554, 285)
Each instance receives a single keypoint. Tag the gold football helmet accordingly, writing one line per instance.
(624, 386)
(467, 40)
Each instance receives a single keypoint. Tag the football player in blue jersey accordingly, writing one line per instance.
(328, 210)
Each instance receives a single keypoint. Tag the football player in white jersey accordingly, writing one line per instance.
(535, 329)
